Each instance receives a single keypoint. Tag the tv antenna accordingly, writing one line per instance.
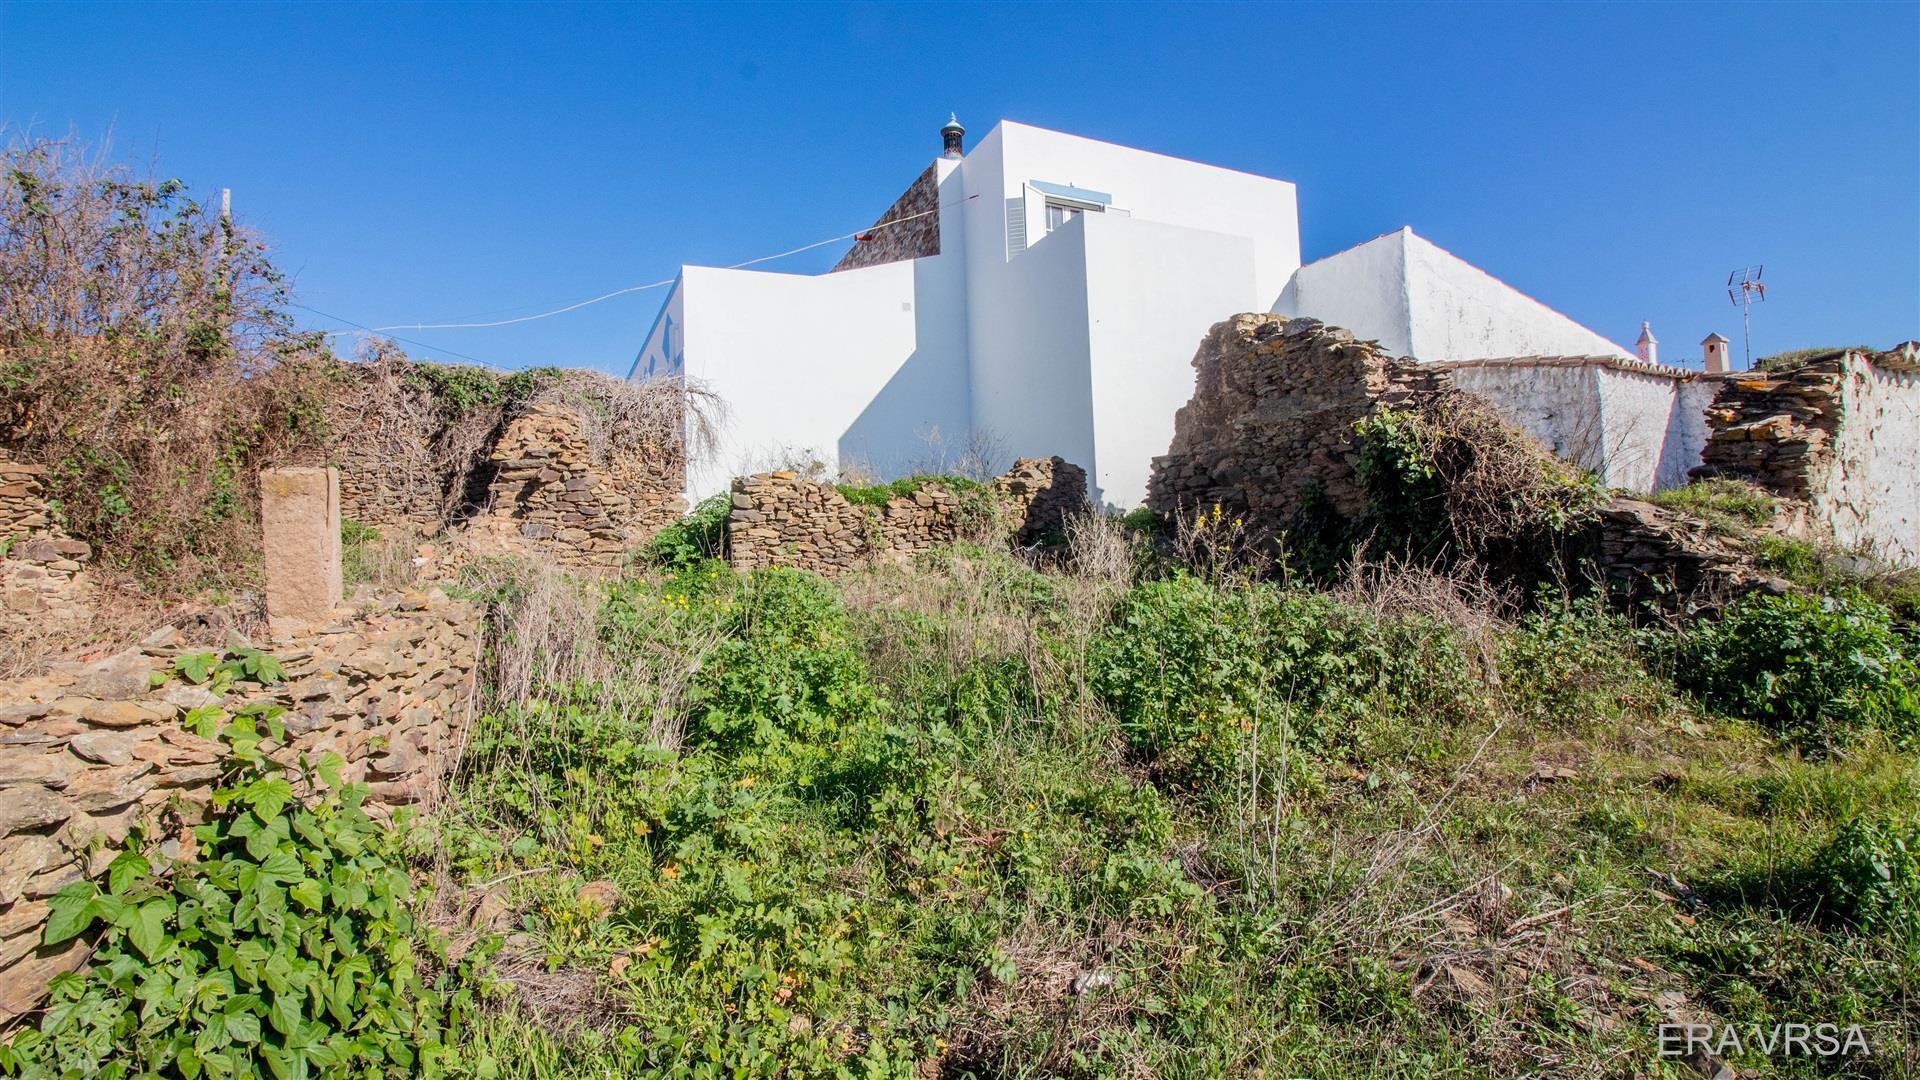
(1745, 289)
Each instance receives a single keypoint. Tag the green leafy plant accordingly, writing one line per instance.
(1870, 874)
(699, 536)
(1816, 669)
(285, 939)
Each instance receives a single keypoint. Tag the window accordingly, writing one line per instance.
(1059, 213)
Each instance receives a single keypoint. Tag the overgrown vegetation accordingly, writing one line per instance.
(1816, 669)
(147, 359)
(285, 937)
(1793, 358)
(971, 818)
(1730, 507)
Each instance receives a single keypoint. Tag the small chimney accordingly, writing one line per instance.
(950, 137)
(1648, 346)
(1715, 354)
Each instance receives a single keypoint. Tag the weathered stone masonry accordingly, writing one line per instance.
(43, 582)
(779, 519)
(1272, 415)
(916, 235)
(548, 494)
(1840, 436)
(89, 751)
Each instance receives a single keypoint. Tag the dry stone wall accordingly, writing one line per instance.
(1651, 557)
(1038, 495)
(780, 519)
(1271, 419)
(88, 751)
(527, 478)
(43, 582)
(547, 494)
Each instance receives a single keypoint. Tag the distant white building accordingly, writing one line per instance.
(1043, 294)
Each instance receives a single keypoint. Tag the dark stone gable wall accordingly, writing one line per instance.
(913, 239)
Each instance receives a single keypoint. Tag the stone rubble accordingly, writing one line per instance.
(780, 519)
(89, 751)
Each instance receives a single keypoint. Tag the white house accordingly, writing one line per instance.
(1042, 294)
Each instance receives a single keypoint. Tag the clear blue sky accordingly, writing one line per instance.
(431, 162)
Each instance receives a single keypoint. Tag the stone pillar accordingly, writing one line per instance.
(300, 517)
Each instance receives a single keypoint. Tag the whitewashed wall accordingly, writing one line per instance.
(1153, 291)
(1559, 406)
(1459, 311)
(1149, 187)
(1362, 289)
(802, 360)
(1030, 370)
(1636, 414)
(1873, 497)
(1417, 299)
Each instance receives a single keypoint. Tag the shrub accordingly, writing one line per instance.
(788, 672)
(1569, 661)
(1813, 668)
(1201, 676)
(147, 359)
(1453, 474)
(1869, 874)
(288, 938)
(700, 535)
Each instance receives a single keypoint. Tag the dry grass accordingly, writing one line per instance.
(1459, 595)
(1498, 484)
(549, 634)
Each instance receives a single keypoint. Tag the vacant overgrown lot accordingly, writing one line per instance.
(972, 818)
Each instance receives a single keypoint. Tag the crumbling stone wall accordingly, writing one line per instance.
(1652, 557)
(546, 493)
(1037, 496)
(916, 235)
(90, 750)
(1838, 436)
(43, 584)
(780, 519)
(1271, 420)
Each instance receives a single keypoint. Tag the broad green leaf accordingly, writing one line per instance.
(70, 912)
(243, 1027)
(148, 933)
(194, 667)
(308, 893)
(127, 868)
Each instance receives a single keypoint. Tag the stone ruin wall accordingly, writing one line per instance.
(1271, 419)
(43, 581)
(534, 486)
(780, 519)
(547, 494)
(91, 750)
(1839, 436)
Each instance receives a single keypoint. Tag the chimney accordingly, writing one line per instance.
(1648, 346)
(950, 137)
(1715, 354)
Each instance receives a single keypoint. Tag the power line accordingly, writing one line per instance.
(396, 337)
(634, 288)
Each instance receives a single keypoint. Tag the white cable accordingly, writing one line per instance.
(649, 285)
